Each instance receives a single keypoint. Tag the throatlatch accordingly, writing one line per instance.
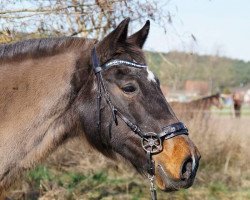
(151, 142)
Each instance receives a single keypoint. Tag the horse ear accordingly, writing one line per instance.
(117, 36)
(139, 38)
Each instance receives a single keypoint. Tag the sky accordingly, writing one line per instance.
(221, 27)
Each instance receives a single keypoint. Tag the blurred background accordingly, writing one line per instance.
(200, 52)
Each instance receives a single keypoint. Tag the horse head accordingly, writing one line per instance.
(132, 110)
(216, 101)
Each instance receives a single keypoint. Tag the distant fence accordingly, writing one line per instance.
(225, 111)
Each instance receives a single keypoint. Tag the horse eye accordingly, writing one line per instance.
(129, 88)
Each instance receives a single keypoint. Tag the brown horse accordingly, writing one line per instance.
(238, 101)
(195, 107)
(48, 95)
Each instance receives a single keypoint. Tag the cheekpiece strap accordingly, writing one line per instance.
(95, 61)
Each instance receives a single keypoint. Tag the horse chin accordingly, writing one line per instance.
(169, 184)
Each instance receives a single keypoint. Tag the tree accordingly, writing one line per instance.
(92, 18)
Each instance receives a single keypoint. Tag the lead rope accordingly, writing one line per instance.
(152, 187)
(151, 175)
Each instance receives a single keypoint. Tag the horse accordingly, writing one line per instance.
(199, 106)
(237, 103)
(55, 89)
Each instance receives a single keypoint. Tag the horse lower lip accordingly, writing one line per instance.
(170, 184)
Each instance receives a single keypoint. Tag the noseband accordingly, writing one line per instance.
(151, 142)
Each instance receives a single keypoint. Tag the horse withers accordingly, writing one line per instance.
(52, 90)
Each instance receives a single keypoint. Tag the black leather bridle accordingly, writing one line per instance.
(151, 142)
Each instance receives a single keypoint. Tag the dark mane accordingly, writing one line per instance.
(38, 47)
(217, 95)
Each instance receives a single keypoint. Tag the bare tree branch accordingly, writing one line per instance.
(92, 18)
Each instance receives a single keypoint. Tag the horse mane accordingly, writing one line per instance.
(39, 47)
(217, 95)
(204, 99)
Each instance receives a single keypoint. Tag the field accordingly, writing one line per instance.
(184, 31)
(77, 172)
(227, 111)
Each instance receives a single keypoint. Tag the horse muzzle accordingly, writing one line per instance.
(186, 180)
(176, 167)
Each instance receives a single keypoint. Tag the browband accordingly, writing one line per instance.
(97, 67)
(118, 62)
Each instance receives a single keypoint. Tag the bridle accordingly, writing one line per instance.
(151, 142)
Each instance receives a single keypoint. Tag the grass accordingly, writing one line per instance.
(73, 173)
(228, 111)
(40, 173)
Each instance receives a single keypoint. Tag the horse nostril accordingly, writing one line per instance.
(187, 169)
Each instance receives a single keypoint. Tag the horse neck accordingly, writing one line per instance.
(35, 99)
(34, 83)
(202, 103)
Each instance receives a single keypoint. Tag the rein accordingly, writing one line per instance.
(151, 142)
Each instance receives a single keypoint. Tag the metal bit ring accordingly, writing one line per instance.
(151, 143)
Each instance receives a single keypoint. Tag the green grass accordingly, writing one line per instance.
(227, 111)
(105, 185)
(223, 173)
(40, 173)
